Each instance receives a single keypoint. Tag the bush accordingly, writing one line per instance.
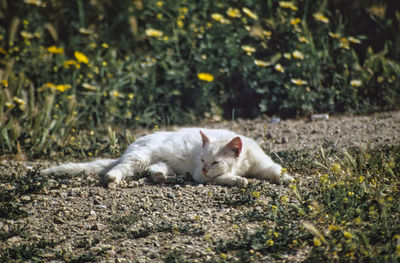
(80, 65)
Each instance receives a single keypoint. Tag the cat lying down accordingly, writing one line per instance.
(208, 155)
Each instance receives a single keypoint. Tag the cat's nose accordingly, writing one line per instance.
(204, 171)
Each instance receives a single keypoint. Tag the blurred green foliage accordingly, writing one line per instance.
(67, 66)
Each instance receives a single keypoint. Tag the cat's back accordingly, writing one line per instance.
(212, 133)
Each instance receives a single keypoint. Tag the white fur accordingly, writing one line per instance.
(186, 151)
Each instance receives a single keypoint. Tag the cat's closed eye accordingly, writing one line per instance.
(202, 160)
(214, 163)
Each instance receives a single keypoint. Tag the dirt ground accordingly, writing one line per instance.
(144, 222)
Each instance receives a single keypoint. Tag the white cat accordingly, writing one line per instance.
(220, 156)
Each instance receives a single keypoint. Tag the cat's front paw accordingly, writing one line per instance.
(113, 177)
(158, 177)
(240, 181)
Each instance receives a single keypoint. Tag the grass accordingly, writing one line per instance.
(348, 211)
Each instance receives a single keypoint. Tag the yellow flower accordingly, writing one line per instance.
(356, 83)
(3, 51)
(26, 34)
(159, 3)
(88, 86)
(180, 23)
(116, 94)
(55, 50)
(131, 96)
(267, 34)
(249, 50)
(220, 18)
(20, 102)
(333, 228)
(354, 40)
(183, 10)
(270, 242)
(9, 105)
(104, 45)
(233, 12)
(334, 35)
(347, 235)
(223, 256)
(289, 5)
(284, 199)
(81, 58)
(4, 83)
(320, 17)
(150, 32)
(299, 82)
(261, 63)
(297, 54)
(303, 40)
(69, 63)
(317, 242)
(62, 87)
(249, 13)
(357, 220)
(33, 2)
(279, 68)
(205, 77)
(255, 194)
(217, 17)
(344, 43)
(295, 21)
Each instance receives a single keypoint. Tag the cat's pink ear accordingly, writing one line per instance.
(235, 145)
(205, 139)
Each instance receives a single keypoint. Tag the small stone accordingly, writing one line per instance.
(111, 185)
(285, 139)
(170, 195)
(25, 198)
(98, 226)
(111, 253)
(101, 206)
(13, 240)
(133, 184)
(58, 220)
(275, 120)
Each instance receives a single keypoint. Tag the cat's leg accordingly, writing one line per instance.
(265, 168)
(159, 172)
(231, 180)
(131, 160)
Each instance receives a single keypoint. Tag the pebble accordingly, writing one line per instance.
(25, 198)
(111, 185)
(98, 226)
(111, 252)
(58, 220)
(170, 195)
(101, 206)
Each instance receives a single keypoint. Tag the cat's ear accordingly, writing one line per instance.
(235, 146)
(205, 139)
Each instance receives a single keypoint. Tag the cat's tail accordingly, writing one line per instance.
(100, 166)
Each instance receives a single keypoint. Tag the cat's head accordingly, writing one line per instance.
(219, 157)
